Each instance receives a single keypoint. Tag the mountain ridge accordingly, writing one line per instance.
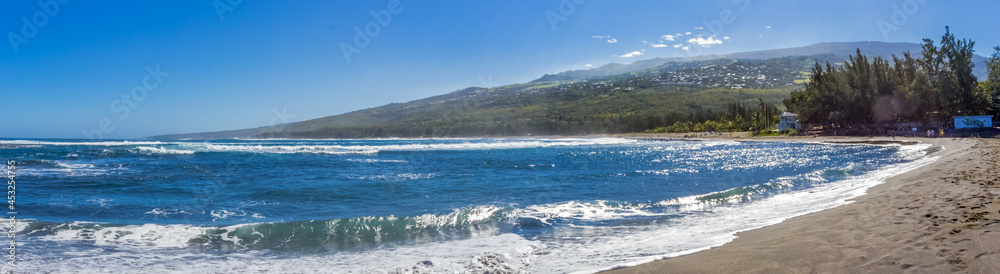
(828, 51)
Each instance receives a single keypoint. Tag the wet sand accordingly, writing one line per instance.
(941, 218)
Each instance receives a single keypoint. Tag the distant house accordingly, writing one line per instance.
(789, 121)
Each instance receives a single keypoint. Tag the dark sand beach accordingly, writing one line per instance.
(941, 218)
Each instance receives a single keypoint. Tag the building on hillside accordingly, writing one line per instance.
(789, 121)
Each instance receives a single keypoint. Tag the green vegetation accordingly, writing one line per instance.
(706, 93)
(864, 93)
(583, 108)
(991, 87)
(726, 92)
(737, 117)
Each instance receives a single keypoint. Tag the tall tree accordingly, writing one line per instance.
(932, 87)
(959, 54)
(991, 87)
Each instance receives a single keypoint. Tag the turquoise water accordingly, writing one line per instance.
(431, 205)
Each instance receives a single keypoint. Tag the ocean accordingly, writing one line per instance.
(516, 205)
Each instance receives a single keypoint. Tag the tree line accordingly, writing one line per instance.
(866, 92)
(737, 116)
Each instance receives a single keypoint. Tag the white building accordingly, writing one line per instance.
(789, 121)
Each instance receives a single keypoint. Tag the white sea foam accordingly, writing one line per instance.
(377, 161)
(19, 225)
(101, 202)
(588, 211)
(319, 148)
(223, 214)
(606, 247)
(164, 212)
(508, 253)
(74, 166)
(162, 150)
(569, 249)
(913, 152)
(100, 143)
(132, 236)
(400, 176)
(605, 210)
(70, 169)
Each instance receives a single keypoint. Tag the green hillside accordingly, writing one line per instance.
(637, 101)
(614, 98)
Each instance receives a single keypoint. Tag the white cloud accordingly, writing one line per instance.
(631, 54)
(725, 38)
(686, 48)
(767, 27)
(659, 45)
(588, 65)
(645, 42)
(601, 36)
(612, 41)
(687, 33)
(699, 28)
(678, 45)
(705, 42)
(668, 37)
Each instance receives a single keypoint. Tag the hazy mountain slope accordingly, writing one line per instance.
(832, 51)
(477, 105)
(615, 68)
(842, 49)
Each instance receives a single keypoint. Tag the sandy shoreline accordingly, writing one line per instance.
(941, 218)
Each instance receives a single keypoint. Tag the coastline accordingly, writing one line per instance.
(895, 227)
(941, 217)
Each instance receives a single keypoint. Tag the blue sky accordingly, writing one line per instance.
(132, 69)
